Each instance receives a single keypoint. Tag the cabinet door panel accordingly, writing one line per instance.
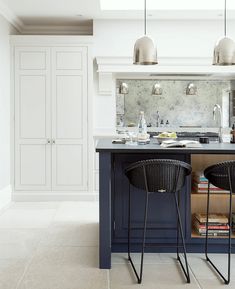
(33, 165)
(32, 106)
(69, 164)
(69, 109)
(71, 60)
(32, 60)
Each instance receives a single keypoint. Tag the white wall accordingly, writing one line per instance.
(173, 39)
(5, 192)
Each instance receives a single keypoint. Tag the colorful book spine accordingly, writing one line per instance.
(200, 185)
(212, 190)
(217, 224)
(213, 227)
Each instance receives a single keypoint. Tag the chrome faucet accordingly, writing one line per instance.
(217, 107)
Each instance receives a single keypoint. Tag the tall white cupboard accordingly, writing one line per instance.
(51, 105)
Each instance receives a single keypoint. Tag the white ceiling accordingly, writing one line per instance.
(165, 5)
(67, 12)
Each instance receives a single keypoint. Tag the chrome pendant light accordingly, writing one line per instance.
(145, 52)
(224, 51)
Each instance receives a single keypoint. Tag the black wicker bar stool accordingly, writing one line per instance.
(221, 175)
(158, 176)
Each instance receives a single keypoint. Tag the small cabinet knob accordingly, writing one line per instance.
(53, 141)
(48, 141)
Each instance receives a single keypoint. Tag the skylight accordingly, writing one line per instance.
(166, 4)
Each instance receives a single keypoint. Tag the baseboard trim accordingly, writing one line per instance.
(53, 197)
(5, 197)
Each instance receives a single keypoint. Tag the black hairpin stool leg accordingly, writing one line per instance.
(177, 231)
(179, 226)
(226, 280)
(138, 276)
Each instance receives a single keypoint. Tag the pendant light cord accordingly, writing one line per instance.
(225, 17)
(145, 18)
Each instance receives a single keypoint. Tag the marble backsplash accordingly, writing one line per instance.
(173, 105)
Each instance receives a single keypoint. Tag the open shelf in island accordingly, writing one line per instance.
(219, 203)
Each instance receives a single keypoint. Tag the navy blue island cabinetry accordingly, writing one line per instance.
(113, 197)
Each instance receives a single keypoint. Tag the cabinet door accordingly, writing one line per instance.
(32, 119)
(69, 118)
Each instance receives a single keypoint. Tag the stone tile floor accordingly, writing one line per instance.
(55, 246)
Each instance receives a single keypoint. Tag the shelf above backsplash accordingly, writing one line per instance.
(177, 66)
(110, 68)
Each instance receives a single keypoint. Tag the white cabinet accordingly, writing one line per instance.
(32, 119)
(51, 123)
(69, 118)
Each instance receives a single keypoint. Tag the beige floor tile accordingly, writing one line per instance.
(61, 240)
(71, 234)
(26, 218)
(154, 276)
(205, 273)
(65, 268)
(11, 271)
(65, 278)
(203, 270)
(200, 267)
(79, 257)
(168, 258)
(119, 258)
(35, 205)
(19, 243)
(215, 284)
(86, 212)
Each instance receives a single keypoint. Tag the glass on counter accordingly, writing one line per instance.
(133, 137)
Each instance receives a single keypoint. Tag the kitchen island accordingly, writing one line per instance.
(113, 193)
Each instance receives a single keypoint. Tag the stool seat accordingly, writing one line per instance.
(218, 174)
(157, 176)
(160, 175)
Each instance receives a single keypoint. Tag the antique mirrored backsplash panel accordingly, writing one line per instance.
(173, 105)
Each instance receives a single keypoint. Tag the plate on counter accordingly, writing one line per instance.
(165, 136)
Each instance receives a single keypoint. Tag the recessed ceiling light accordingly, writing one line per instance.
(164, 5)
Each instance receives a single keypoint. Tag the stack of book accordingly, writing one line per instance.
(217, 224)
(200, 185)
